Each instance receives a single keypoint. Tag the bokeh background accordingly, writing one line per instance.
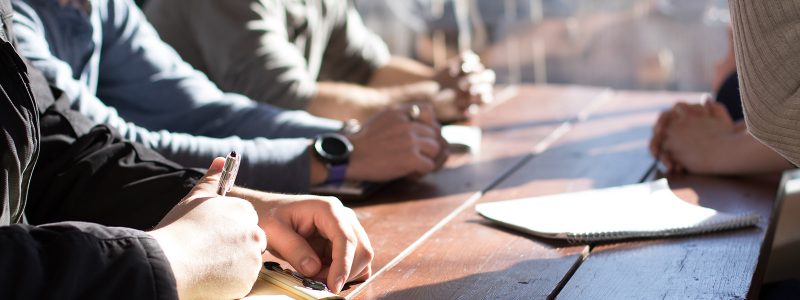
(623, 44)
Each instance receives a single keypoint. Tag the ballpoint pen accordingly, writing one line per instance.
(229, 171)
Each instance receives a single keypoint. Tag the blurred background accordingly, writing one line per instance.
(624, 44)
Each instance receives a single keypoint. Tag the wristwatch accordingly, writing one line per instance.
(334, 150)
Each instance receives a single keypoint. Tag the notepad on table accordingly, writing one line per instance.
(275, 283)
(643, 210)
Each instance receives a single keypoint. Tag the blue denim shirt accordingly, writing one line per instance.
(116, 70)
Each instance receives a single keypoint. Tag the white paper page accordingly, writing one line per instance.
(647, 207)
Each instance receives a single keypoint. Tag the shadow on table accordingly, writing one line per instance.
(606, 160)
(464, 179)
(556, 122)
(531, 279)
(602, 158)
(551, 243)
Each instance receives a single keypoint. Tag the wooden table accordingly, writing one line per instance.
(430, 243)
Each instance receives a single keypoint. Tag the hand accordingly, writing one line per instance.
(390, 146)
(317, 235)
(213, 243)
(660, 130)
(469, 81)
(444, 100)
(695, 139)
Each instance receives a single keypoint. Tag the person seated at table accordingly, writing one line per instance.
(767, 53)
(712, 138)
(313, 55)
(86, 214)
(114, 68)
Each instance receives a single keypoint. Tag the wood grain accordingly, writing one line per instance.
(470, 258)
(724, 265)
(400, 213)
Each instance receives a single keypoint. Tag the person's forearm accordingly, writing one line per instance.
(767, 52)
(343, 101)
(742, 154)
(400, 70)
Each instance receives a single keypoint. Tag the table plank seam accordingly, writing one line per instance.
(648, 175)
(537, 149)
(563, 282)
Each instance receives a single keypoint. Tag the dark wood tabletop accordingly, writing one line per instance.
(431, 244)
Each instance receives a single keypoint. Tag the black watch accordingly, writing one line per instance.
(334, 150)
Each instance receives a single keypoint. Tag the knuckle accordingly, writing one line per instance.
(257, 236)
(369, 253)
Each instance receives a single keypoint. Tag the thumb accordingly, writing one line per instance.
(210, 182)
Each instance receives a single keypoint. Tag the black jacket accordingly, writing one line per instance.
(61, 180)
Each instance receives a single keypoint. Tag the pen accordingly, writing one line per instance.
(229, 171)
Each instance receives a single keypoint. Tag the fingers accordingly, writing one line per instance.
(362, 262)
(428, 146)
(289, 245)
(719, 111)
(478, 86)
(343, 252)
(422, 164)
(428, 116)
(658, 132)
(351, 251)
(427, 149)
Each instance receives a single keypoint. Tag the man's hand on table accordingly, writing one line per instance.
(690, 137)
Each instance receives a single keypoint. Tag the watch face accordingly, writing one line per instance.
(333, 148)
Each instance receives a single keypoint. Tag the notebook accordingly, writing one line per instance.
(643, 210)
(276, 283)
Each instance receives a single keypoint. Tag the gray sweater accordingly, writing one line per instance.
(273, 51)
(767, 43)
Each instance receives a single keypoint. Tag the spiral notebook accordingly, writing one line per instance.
(643, 210)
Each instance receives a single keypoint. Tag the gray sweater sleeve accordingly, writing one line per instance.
(767, 44)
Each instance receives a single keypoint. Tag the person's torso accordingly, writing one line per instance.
(309, 27)
(19, 123)
(74, 36)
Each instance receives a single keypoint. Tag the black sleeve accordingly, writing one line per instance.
(91, 174)
(82, 261)
(74, 260)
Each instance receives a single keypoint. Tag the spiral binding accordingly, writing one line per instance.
(702, 228)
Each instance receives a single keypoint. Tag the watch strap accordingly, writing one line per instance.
(336, 173)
